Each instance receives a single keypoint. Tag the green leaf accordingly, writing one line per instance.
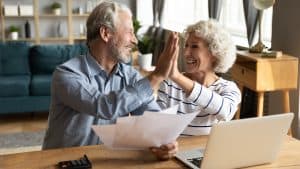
(55, 5)
(13, 28)
(145, 42)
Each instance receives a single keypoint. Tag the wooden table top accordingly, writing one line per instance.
(101, 157)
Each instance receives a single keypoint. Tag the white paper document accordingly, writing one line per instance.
(152, 129)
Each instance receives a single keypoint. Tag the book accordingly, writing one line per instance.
(271, 54)
(26, 10)
(10, 10)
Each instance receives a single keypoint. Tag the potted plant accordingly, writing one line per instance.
(14, 32)
(56, 8)
(145, 47)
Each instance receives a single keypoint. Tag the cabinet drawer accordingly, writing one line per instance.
(244, 75)
(265, 74)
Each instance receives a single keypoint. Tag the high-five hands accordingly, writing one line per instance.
(165, 62)
(168, 56)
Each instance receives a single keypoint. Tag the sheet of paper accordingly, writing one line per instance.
(106, 133)
(142, 132)
(154, 130)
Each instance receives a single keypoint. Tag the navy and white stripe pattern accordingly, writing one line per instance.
(218, 102)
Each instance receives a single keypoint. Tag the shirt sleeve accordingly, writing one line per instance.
(222, 104)
(162, 97)
(76, 92)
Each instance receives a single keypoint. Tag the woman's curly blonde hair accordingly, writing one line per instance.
(219, 41)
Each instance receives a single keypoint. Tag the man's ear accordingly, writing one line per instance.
(105, 33)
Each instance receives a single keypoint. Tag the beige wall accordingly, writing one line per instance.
(286, 37)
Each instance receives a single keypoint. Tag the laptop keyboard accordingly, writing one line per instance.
(196, 161)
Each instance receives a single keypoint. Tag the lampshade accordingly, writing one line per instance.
(263, 4)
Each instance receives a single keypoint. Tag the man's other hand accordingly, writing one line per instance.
(166, 151)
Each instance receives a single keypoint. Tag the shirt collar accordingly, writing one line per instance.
(118, 69)
(95, 68)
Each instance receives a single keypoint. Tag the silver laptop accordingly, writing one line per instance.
(240, 143)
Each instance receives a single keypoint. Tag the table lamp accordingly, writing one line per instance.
(260, 5)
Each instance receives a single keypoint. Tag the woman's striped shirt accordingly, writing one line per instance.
(217, 102)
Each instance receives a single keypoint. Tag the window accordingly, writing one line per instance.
(233, 18)
(144, 12)
(178, 14)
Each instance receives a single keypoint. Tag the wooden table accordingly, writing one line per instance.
(266, 74)
(101, 157)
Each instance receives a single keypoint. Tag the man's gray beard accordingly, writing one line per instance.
(116, 53)
(123, 58)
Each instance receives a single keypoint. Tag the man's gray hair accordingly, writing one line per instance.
(219, 41)
(105, 14)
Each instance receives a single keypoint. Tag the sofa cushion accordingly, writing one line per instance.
(44, 58)
(14, 58)
(40, 85)
(36, 104)
(14, 86)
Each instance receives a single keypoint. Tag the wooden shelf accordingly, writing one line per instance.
(40, 16)
(52, 16)
(14, 17)
(49, 39)
(80, 15)
(22, 39)
(80, 38)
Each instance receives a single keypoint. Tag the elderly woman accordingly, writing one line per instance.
(208, 50)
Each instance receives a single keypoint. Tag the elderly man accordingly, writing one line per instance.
(98, 87)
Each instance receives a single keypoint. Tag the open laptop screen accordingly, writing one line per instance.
(241, 143)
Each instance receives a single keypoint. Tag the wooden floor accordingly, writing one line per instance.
(17, 123)
(23, 122)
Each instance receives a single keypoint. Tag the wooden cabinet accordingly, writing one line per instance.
(44, 23)
(266, 74)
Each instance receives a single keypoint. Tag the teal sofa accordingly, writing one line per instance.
(26, 72)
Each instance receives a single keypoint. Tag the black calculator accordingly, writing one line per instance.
(82, 163)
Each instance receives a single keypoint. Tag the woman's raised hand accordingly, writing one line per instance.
(168, 56)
